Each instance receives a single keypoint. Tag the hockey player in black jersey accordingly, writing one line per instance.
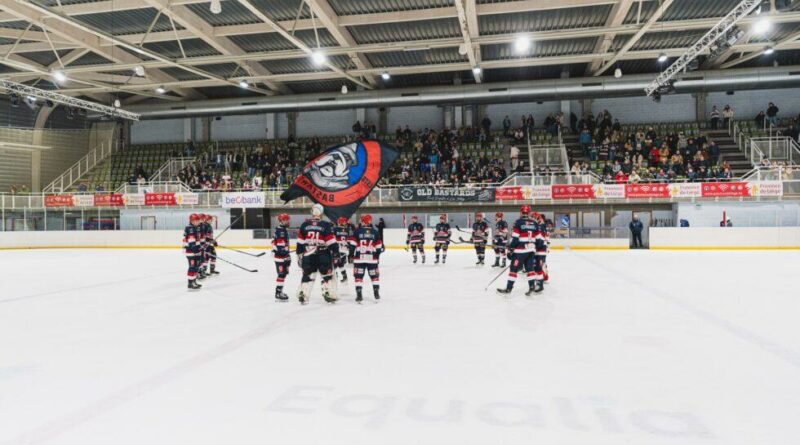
(281, 255)
(316, 248)
(368, 249)
(191, 247)
(543, 248)
(480, 236)
(210, 246)
(351, 248)
(343, 234)
(201, 242)
(416, 239)
(522, 253)
(500, 240)
(441, 238)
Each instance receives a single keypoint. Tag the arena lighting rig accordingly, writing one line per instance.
(720, 30)
(25, 91)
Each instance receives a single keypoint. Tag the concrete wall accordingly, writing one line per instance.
(634, 110)
(742, 214)
(700, 238)
(747, 104)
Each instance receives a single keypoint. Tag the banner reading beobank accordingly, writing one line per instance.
(240, 200)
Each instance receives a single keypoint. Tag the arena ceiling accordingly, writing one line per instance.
(182, 50)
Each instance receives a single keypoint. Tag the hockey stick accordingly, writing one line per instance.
(233, 264)
(243, 252)
(229, 226)
(496, 277)
(459, 229)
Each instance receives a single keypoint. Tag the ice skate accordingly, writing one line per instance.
(503, 290)
(280, 296)
(359, 297)
(193, 285)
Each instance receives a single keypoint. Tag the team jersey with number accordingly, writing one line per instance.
(416, 233)
(500, 232)
(316, 236)
(368, 245)
(442, 233)
(480, 232)
(342, 234)
(280, 244)
(191, 246)
(524, 235)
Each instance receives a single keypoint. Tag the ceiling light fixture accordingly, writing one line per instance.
(386, 75)
(215, 7)
(243, 83)
(522, 44)
(762, 26)
(161, 90)
(662, 57)
(318, 57)
(59, 76)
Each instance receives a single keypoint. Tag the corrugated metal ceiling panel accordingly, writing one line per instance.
(192, 47)
(133, 21)
(281, 9)
(303, 65)
(544, 20)
(410, 58)
(396, 32)
(533, 72)
(321, 86)
(545, 48)
(233, 13)
(660, 40)
(353, 7)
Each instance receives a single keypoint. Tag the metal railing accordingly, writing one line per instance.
(170, 169)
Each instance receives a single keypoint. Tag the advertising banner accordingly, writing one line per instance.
(541, 192)
(609, 191)
(241, 200)
(160, 199)
(83, 200)
(647, 191)
(573, 191)
(513, 193)
(108, 200)
(132, 199)
(686, 190)
(187, 199)
(445, 194)
(59, 201)
(724, 189)
(765, 188)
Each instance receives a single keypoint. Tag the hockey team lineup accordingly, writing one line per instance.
(326, 249)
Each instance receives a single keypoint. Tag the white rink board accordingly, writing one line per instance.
(107, 346)
(725, 238)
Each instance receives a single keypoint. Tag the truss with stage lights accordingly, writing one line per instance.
(719, 31)
(25, 91)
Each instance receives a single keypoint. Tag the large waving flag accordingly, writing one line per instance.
(342, 176)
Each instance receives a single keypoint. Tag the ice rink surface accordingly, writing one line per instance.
(108, 347)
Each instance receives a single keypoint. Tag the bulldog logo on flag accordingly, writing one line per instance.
(342, 176)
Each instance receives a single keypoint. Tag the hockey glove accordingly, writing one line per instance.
(510, 256)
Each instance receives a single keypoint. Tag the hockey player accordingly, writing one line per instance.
(480, 236)
(201, 241)
(316, 248)
(191, 247)
(343, 234)
(543, 247)
(369, 247)
(211, 246)
(522, 253)
(351, 248)
(441, 238)
(281, 255)
(500, 240)
(416, 239)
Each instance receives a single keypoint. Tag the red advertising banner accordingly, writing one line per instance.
(725, 189)
(647, 191)
(108, 200)
(573, 191)
(160, 199)
(59, 201)
(515, 193)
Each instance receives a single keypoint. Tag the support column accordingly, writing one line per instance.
(469, 116)
(383, 120)
(361, 115)
(187, 129)
(565, 104)
(271, 126)
(458, 113)
(586, 107)
(447, 114)
(292, 117)
(700, 100)
(206, 123)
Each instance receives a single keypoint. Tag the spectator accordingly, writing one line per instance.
(357, 129)
(761, 118)
(636, 228)
(514, 157)
(772, 114)
(381, 226)
(190, 148)
(714, 115)
(486, 124)
(573, 122)
(506, 126)
(727, 115)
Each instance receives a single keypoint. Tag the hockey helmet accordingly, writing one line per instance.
(413, 217)
(478, 214)
(194, 217)
(498, 215)
(341, 221)
(208, 217)
(283, 218)
(442, 217)
(525, 210)
(366, 219)
(317, 210)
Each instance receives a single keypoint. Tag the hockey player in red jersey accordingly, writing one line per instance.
(191, 247)
(480, 236)
(416, 239)
(281, 255)
(368, 249)
(316, 248)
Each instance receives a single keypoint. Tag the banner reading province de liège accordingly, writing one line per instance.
(446, 194)
(342, 176)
